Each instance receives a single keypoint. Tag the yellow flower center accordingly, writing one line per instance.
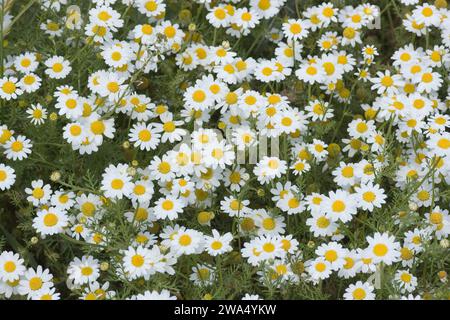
(86, 271)
(9, 266)
(185, 240)
(167, 205)
(338, 206)
(359, 294)
(35, 283)
(268, 224)
(380, 250)
(145, 135)
(216, 245)
(322, 222)
(117, 184)
(38, 193)
(137, 260)
(9, 87)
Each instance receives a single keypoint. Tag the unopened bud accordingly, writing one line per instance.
(53, 116)
(207, 296)
(192, 27)
(204, 217)
(104, 266)
(131, 171)
(413, 206)
(55, 176)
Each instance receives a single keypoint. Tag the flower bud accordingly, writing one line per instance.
(413, 206)
(205, 217)
(185, 16)
(192, 27)
(440, 4)
(104, 266)
(334, 150)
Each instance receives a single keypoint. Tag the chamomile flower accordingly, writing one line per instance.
(63, 199)
(11, 266)
(245, 18)
(405, 281)
(188, 242)
(26, 62)
(319, 269)
(107, 17)
(427, 14)
(318, 149)
(218, 244)
(116, 182)
(83, 271)
(370, 196)
(37, 114)
(321, 225)
(386, 83)
(291, 204)
(168, 207)
(202, 275)
(39, 194)
(7, 177)
(296, 29)
(235, 179)
(154, 295)
(170, 128)
(218, 17)
(50, 221)
(267, 224)
(145, 136)
(136, 262)
(346, 174)
(266, 8)
(269, 168)
(52, 28)
(340, 206)
(142, 191)
(334, 253)
(117, 54)
(10, 88)
(30, 83)
(151, 8)
(234, 207)
(383, 248)
(439, 144)
(34, 281)
(162, 169)
(46, 294)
